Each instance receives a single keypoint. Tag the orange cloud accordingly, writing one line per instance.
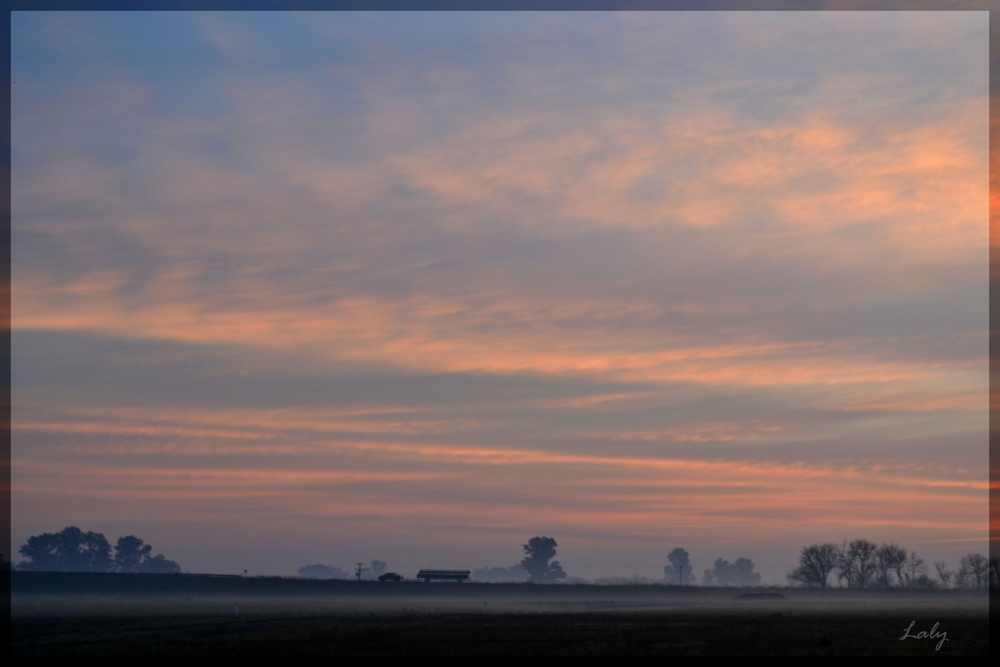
(425, 333)
(514, 488)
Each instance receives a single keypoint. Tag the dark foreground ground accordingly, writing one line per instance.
(82, 614)
(511, 634)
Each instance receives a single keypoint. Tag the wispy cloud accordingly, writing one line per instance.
(622, 267)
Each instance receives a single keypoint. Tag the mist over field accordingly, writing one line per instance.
(486, 599)
(195, 614)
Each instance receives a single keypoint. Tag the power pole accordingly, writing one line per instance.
(359, 570)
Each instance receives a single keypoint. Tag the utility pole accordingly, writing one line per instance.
(359, 570)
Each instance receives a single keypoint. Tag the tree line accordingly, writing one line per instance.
(680, 572)
(864, 564)
(537, 567)
(72, 550)
(856, 564)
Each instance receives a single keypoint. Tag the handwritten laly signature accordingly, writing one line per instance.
(923, 634)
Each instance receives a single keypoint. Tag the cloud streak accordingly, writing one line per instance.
(663, 274)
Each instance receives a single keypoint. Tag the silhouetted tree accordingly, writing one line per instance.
(889, 559)
(944, 574)
(816, 562)
(538, 551)
(973, 572)
(70, 550)
(679, 571)
(725, 573)
(913, 573)
(378, 568)
(130, 553)
(856, 564)
(159, 564)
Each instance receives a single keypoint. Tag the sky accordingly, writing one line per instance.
(297, 288)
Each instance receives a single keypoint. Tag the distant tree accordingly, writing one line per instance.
(889, 559)
(538, 551)
(42, 552)
(158, 564)
(323, 572)
(857, 564)
(70, 550)
(724, 573)
(913, 573)
(130, 553)
(378, 568)
(555, 573)
(679, 571)
(816, 562)
(944, 574)
(500, 575)
(973, 572)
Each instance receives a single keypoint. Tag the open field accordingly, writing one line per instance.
(510, 634)
(191, 614)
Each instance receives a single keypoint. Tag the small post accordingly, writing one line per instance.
(359, 570)
(237, 613)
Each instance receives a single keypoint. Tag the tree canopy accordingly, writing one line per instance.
(679, 571)
(72, 550)
(724, 573)
(816, 562)
(537, 554)
(131, 553)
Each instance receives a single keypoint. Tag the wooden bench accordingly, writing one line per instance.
(444, 575)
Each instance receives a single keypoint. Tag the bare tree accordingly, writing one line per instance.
(815, 564)
(856, 564)
(914, 573)
(944, 574)
(973, 572)
(889, 558)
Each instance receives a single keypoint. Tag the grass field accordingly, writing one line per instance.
(118, 614)
(511, 634)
